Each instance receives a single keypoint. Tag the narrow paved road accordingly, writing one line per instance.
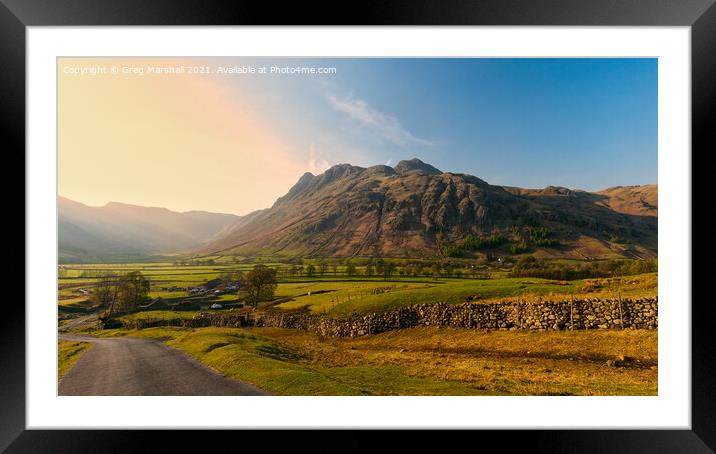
(77, 321)
(125, 366)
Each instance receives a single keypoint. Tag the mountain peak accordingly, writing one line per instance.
(341, 169)
(300, 185)
(416, 164)
(380, 170)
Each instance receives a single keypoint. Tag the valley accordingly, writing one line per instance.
(355, 243)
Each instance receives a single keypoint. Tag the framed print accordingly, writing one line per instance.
(415, 218)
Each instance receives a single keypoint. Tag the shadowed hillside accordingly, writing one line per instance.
(117, 229)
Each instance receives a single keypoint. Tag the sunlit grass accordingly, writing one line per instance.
(425, 360)
(67, 355)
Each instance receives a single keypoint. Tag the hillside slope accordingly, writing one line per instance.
(118, 229)
(415, 209)
(636, 200)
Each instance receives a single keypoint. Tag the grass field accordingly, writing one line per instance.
(67, 355)
(157, 315)
(425, 361)
(342, 298)
(358, 297)
(340, 295)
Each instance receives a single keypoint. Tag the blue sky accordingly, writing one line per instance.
(236, 142)
(579, 123)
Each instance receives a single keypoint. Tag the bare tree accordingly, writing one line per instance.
(121, 293)
(106, 291)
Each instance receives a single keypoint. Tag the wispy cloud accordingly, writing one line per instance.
(386, 125)
(316, 165)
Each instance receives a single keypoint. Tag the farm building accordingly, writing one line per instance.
(212, 284)
(158, 303)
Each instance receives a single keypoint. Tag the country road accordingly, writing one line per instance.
(125, 366)
(77, 321)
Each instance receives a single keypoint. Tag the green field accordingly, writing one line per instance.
(341, 295)
(344, 298)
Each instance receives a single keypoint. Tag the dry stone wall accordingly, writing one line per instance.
(556, 315)
(561, 315)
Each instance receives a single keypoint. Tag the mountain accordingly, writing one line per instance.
(636, 200)
(117, 229)
(416, 210)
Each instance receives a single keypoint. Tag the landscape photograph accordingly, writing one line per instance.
(357, 226)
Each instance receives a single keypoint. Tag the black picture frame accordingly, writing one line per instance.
(700, 15)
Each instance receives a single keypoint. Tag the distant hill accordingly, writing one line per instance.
(416, 210)
(117, 230)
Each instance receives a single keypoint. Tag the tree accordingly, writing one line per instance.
(451, 250)
(323, 267)
(448, 268)
(106, 291)
(121, 293)
(369, 270)
(408, 270)
(133, 290)
(436, 270)
(240, 279)
(351, 269)
(226, 277)
(236, 278)
(310, 270)
(388, 270)
(418, 269)
(379, 266)
(260, 284)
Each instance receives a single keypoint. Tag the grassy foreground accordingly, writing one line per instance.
(67, 355)
(426, 360)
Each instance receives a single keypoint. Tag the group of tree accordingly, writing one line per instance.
(121, 293)
(530, 267)
(476, 243)
(196, 262)
(64, 272)
(388, 269)
(540, 236)
(520, 239)
(236, 278)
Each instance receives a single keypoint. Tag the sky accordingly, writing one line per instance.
(233, 134)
